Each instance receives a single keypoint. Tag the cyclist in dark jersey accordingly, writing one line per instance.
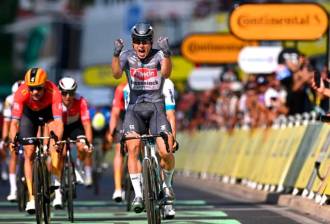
(146, 69)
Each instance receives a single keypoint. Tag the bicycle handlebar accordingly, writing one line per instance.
(144, 137)
(81, 139)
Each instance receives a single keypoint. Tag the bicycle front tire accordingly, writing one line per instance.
(37, 190)
(46, 192)
(149, 190)
(70, 192)
(21, 186)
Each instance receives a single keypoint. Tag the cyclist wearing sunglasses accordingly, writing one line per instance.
(146, 69)
(77, 122)
(36, 101)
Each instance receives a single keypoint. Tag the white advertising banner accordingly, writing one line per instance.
(261, 59)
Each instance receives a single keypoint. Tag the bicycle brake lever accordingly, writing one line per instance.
(53, 136)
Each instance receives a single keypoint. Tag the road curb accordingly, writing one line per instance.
(297, 203)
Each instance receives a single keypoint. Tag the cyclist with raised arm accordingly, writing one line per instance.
(146, 69)
(5, 137)
(77, 123)
(37, 101)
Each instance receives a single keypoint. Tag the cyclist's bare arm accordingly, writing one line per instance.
(115, 114)
(171, 118)
(166, 67)
(115, 65)
(88, 131)
(58, 127)
(14, 128)
(5, 129)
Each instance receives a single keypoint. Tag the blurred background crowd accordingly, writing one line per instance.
(256, 101)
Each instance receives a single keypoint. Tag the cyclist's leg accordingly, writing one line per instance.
(159, 123)
(118, 161)
(85, 158)
(132, 126)
(3, 163)
(57, 161)
(118, 173)
(28, 128)
(12, 177)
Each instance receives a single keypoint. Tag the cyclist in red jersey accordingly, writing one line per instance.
(77, 123)
(114, 136)
(37, 100)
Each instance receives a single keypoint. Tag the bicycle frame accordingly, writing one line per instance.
(152, 181)
(68, 173)
(41, 178)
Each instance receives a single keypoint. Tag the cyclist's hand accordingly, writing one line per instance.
(175, 146)
(12, 147)
(119, 44)
(164, 46)
(109, 138)
(90, 148)
(58, 147)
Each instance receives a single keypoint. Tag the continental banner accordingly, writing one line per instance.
(213, 48)
(279, 21)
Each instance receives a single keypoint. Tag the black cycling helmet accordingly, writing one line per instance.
(142, 31)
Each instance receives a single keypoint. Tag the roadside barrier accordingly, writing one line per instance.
(292, 157)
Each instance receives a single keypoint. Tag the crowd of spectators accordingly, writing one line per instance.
(255, 101)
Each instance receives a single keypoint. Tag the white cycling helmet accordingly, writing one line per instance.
(15, 86)
(67, 84)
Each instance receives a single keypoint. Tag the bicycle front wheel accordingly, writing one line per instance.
(70, 191)
(46, 193)
(37, 190)
(149, 190)
(21, 186)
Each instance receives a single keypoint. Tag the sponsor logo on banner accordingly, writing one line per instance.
(213, 48)
(279, 21)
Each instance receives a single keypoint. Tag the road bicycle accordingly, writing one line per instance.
(151, 173)
(40, 176)
(68, 177)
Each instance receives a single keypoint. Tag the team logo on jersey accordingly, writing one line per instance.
(143, 73)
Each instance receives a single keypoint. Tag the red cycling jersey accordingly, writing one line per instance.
(118, 99)
(78, 110)
(52, 97)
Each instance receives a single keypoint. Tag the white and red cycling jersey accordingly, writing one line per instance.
(78, 111)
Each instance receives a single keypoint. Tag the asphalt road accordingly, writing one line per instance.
(193, 205)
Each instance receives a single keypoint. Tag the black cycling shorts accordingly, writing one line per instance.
(144, 117)
(73, 130)
(31, 120)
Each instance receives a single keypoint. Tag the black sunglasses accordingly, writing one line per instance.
(137, 41)
(38, 88)
(70, 93)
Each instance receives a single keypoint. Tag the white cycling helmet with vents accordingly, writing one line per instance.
(67, 84)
